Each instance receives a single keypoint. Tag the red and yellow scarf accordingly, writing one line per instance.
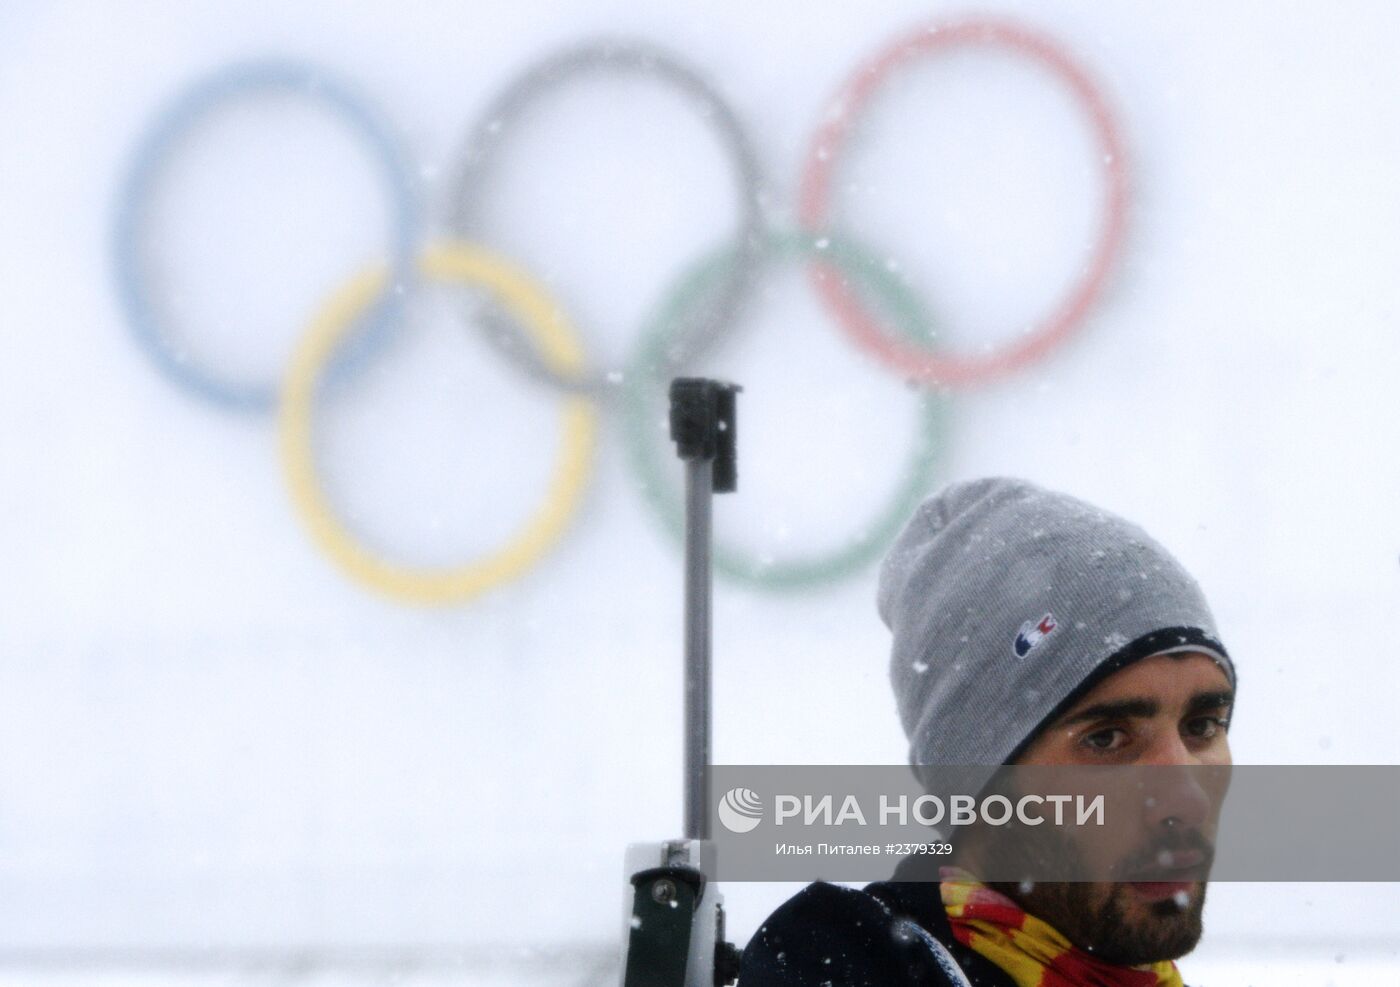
(1030, 950)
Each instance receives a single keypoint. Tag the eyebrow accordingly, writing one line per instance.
(1142, 708)
(1118, 709)
(1211, 700)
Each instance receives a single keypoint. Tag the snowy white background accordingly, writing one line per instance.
(217, 753)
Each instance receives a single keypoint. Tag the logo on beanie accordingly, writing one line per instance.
(740, 810)
(1032, 634)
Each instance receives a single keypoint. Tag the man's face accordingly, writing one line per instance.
(1161, 711)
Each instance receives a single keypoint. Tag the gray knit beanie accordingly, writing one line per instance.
(1008, 602)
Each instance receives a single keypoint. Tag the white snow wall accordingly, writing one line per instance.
(209, 737)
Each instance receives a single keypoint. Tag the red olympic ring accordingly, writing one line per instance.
(815, 204)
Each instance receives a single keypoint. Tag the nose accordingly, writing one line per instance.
(1178, 793)
(1176, 797)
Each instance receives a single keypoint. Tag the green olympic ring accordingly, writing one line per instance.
(644, 407)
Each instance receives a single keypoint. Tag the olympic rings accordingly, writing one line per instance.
(642, 380)
(705, 301)
(526, 302)
(147, 322)
(615, 57)
(913, 360)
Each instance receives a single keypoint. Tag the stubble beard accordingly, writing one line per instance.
(1105, 920)
(1108, 920)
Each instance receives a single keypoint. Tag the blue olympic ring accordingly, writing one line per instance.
(233, 82)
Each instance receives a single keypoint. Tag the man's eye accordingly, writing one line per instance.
(1109, 739)
(1206, 727)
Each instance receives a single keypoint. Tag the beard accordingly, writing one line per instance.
(1109, 920)
(1106, 921)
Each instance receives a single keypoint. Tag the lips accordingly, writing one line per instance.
(1161, 890)
(1176, 872)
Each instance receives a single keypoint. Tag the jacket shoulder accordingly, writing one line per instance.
(827, 934)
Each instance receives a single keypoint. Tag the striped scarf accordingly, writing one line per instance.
(1031, 951)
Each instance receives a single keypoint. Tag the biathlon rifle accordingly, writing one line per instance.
(674, 931)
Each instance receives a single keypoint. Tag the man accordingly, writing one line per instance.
(1031, 628)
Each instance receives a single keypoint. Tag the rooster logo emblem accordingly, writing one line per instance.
(1032, 634)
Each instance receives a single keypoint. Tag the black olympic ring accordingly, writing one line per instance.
(628, 57)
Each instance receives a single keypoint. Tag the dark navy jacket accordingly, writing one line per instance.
(879, 936)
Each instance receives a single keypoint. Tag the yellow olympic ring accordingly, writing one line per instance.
(555, 339)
